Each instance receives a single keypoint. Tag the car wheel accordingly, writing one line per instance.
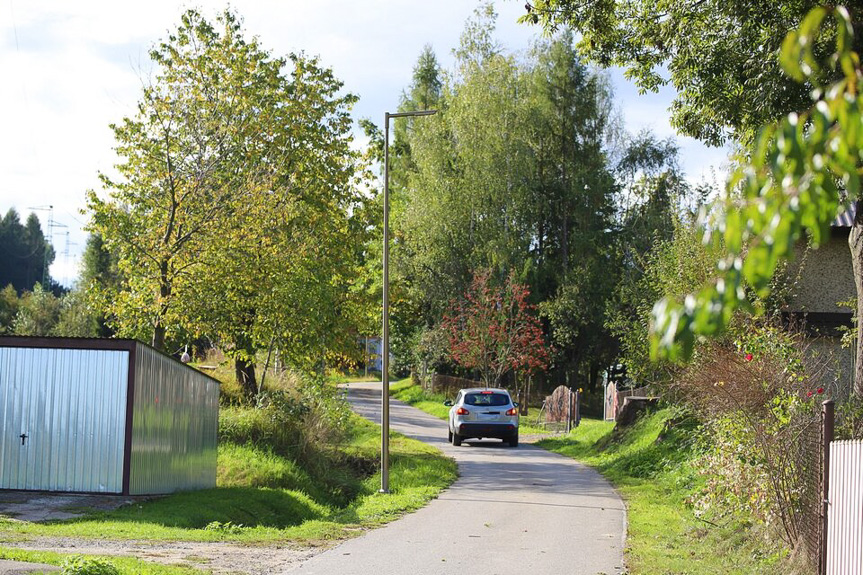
(449, 435)
(513, 441)
(456, 439)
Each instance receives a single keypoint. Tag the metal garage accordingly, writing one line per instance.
(103, 416)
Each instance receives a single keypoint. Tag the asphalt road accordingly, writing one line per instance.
(512, 511)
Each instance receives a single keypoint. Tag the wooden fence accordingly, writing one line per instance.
(449, 385)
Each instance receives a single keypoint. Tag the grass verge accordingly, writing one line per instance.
(651, 465)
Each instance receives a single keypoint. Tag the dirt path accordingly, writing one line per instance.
(220, 558)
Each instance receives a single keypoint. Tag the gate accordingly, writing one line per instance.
(845, 510)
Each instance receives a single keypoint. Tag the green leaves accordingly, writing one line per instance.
(233, 216)
(720, 55)
(799, 171)
(796, 57)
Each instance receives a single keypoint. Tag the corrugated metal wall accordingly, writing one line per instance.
(62, 419)
(845, 512)
(174, 426)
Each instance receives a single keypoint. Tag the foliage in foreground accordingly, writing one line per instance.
(760, 401)
(653, 466)
(801, 172)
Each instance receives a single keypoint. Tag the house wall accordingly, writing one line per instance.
(823, 277)
(831, 365)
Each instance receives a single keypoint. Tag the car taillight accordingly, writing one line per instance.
(513, 411)
(461, 411)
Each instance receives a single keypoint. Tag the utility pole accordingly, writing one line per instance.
(385, 340)
(49, 239)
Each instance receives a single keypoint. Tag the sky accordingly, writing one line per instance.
(70, 69)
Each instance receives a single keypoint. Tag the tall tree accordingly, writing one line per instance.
(721, 56)
(575, 189)
(235, 206)
(25, 253)
(513, 174)
(232, 153)
(189, 163)
(99, 281)
(460, 210)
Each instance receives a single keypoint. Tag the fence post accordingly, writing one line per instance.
(827, 425)
(578, 407)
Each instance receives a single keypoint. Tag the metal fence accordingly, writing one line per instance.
(808, 454)
(845, 510)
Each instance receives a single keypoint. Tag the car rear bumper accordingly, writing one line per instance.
(495, 430)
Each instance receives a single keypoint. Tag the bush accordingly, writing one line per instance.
(276, 423)
(293, 416)
(296, 424)
(761, 410)
(849, 418)
(226, 528)
(79, 565)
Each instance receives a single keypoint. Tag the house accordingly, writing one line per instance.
(821, 301)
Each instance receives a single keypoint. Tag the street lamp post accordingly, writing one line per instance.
(385, 351)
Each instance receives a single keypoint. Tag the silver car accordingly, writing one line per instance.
(483, 412)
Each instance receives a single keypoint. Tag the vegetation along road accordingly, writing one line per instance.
(509, 509)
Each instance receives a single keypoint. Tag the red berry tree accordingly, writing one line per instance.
(495, 329)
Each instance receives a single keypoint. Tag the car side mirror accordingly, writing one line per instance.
(448, 403)
(515, 404)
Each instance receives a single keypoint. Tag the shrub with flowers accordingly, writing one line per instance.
(760, 406)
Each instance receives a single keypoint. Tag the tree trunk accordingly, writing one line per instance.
(245, 373)
(164, 296)
(159, 337)
(565, 241)
(855, 241)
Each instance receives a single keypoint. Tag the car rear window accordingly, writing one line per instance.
(494, 399)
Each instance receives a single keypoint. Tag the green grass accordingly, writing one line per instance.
(125, 565)
(282, 506)
(337, 377)
(651, 466)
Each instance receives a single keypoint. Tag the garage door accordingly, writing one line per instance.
(62, 419)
